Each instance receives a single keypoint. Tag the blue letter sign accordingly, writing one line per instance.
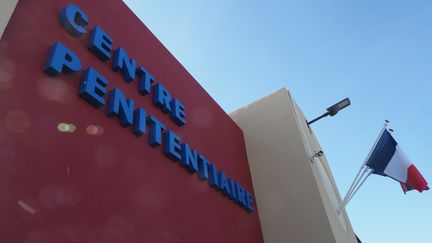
(74, 20)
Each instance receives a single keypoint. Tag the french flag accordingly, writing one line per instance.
(388, 159)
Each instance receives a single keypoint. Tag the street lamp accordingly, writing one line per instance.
(333, 110)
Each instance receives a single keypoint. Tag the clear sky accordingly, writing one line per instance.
(377, 53)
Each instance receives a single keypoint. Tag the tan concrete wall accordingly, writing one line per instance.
(297, 199)
(331, 199)
(6, 9)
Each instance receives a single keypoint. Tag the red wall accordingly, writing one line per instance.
(111, 187)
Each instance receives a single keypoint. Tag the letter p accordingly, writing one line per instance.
(61, 60)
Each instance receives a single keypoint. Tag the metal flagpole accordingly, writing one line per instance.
(355, 191)
(363, 169)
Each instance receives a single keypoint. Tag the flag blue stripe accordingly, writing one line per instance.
(382, 153)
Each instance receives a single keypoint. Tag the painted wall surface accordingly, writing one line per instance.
(6, 10)
(297, 199)
(339, 220)
(70, 173)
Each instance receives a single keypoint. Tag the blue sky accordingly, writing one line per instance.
(377, 53)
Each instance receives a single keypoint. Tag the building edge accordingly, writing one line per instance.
(297, 197)
(6, 9)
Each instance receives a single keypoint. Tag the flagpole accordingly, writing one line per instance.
(362, 171)
(357, 179)
(356, 190)
(365, 161)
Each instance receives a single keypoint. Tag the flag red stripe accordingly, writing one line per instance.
(416, 180)
(404, 187)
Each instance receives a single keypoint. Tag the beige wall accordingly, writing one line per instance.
(297, 198)
(6, 10)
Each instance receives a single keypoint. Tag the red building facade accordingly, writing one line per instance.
(75, 171)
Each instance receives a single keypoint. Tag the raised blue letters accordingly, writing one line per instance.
(177, 114)
(118, 106)
(172, 145)
(233, 194)
(121, 62)
(145, 80)
(249, 202)
(241, 196)
(100, 44)
(74, 20)
(155, 131)
(223, 183)
(139, 122)
(61, 60)
(161, 98)
(189, 158)
(213, 177)
(203, 164)
(92, 88)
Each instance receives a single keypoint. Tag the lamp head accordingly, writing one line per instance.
(334, 109)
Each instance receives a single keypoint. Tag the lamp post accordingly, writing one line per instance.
(333, 110)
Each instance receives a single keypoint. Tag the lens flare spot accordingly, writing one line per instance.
(55, 90)
(26, 207)
(66, 127)
(7, 73)
(95, 130)
(17, 121)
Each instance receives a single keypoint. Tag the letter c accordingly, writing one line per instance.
(74, 20)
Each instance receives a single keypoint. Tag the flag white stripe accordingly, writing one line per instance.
(397, 168)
